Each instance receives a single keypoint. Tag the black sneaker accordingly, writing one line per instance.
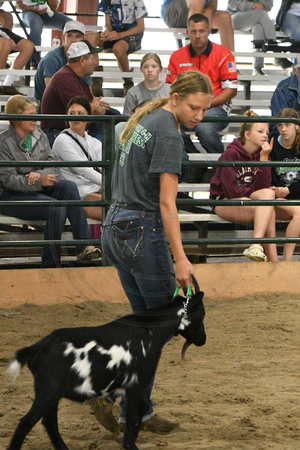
(284, 63)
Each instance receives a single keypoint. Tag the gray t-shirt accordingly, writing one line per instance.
(139, 93)
(155, 147)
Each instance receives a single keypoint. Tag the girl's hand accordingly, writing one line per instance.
(266, 149)
(32, 178)
(183, 273)
(282, 191)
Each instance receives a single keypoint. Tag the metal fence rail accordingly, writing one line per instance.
(108, 157)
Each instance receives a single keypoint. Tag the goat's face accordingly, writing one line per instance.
(191, 326)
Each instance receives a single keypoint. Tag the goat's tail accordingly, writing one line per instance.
(22, 357)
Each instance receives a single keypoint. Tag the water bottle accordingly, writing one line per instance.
(56, 41)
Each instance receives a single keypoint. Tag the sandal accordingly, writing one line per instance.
(256, 253)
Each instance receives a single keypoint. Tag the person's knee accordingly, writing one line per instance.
(222, 19)
(6, 46)
(68, 189)
(207, 131)
(120, 49)
(267, 194)
(25, 45)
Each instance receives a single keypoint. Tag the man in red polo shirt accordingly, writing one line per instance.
(218, 63)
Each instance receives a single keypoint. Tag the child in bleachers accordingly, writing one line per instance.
(286, 180)
(124, 27)
(248, 183)
(11, 42)
(151, 87)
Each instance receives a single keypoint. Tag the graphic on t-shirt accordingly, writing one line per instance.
(288, 175)
(139, 137)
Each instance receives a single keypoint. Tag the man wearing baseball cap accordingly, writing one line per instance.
(286, 95)
(70, 82)
(54, 60)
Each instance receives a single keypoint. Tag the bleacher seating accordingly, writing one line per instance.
(250, 90)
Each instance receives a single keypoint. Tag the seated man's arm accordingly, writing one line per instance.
(223, 97)
(47, 80)
(279, 101)
(172, 70)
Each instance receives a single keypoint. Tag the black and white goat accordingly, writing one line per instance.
(88, 362)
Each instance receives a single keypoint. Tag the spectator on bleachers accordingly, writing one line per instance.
(286, 180)
(124, 28)
(253, 16)
(55, 59)
(151, 87)
(218, 63)
(248, 183)
(75, 144)
(23, 142)
(11, 42)
(288, 20)
(38, 14)
(69, 82)
(6, 18)
(286, 95)
(175, 14)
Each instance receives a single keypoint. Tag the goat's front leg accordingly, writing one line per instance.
(133, 418)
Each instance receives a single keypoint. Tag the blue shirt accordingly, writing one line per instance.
(123, 13)
(286, 95)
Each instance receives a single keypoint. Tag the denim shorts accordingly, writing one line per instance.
(134, 241)
(134, 43)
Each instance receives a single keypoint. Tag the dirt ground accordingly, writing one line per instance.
(239, 391)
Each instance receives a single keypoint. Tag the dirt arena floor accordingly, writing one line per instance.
(239, 391)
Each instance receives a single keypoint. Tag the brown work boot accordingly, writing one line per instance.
(89, 253)
(103, 410)
(155, 424)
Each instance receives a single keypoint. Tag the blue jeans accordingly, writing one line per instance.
(135, 243)
(291, 26)
(208, 132)
(37, 22)
(55, 217)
